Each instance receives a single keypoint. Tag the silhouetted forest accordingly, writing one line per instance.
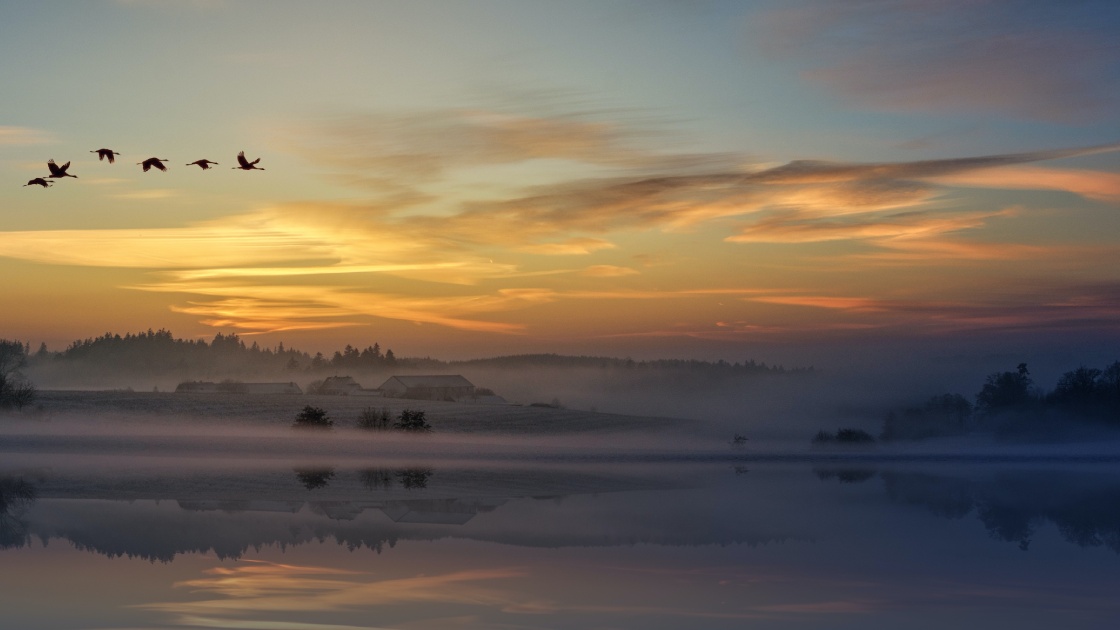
(557, 360)
(1010, 404)
(160, 350)
(159, 353)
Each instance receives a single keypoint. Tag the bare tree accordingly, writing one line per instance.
(15, 391)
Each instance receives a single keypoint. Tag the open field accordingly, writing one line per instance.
(237, 410)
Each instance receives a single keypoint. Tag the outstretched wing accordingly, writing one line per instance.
(55, 171)
(110, 155)
(64, 167)
(147, 164)
(242, 161)
(159, 165)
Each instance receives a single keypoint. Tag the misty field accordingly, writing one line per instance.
(262, 410)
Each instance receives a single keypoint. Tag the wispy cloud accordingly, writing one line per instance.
(568, 247)
(425, 249)
(425, 145)
(148, 195)
(197, 5)
(608, 271)
(1045, 62)
(1097, 185)
(22, 136)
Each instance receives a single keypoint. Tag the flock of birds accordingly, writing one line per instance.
(59, 172)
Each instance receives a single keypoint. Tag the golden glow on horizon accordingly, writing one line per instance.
(416, 252)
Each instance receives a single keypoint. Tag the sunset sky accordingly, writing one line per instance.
(691, 179)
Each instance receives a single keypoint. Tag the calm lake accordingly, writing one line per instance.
(129, 542)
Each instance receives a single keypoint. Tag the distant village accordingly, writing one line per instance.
(445, 387)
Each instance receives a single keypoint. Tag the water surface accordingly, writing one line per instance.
(158, 542)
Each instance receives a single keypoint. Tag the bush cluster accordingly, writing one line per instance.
(382, 420)
(375, 419)
(844, 436)
(312, 418)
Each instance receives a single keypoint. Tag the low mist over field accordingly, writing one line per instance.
(228, 381)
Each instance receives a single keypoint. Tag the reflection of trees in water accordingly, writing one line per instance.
(845, 475)
(1084, 507)
(15, 495)
(385, 478)
(315, 478)
(376, 478)
(414, 478)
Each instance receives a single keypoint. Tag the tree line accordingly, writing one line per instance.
(1010, 402)
(749, 366)
(160, 352)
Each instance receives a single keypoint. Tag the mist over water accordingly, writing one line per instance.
(626, 505)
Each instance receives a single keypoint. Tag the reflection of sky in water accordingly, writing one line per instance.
(668, 546)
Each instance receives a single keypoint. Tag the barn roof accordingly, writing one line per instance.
(339, 380)
(432, 381)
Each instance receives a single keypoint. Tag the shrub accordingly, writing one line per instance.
(375, 420)
(853, 436)
(412, 421)
(312, 418)
(844, 436)
(823, 437)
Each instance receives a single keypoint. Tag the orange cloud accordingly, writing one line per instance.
(819, 301)
(1098, 185)
(571, 246)
(898, 230)
(608, 271)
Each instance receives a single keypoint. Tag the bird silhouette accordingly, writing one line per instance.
(106, 154)
(203, 164)
(59, 171)
(153, 163)
(246, 165)
(39, 181)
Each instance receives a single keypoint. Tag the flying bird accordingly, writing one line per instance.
(39, 181)
(203, 164)
(153, 163)
(59, 171)
(246, 165)
(103, 154)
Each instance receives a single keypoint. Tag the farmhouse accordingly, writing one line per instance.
(344, 386)
(272, 388)
(339, 386)
(434, 387)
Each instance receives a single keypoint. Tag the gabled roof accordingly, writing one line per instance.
(433, 381)
(339, 380)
